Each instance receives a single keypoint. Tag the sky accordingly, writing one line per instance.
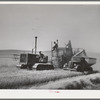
(20, 23)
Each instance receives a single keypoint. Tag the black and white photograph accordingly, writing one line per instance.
(50, 46)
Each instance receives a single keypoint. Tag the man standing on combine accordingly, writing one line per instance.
(55, 47)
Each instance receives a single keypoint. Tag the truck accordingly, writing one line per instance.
(80, 62)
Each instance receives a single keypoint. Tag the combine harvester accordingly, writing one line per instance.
(72, 59)
(32, 61)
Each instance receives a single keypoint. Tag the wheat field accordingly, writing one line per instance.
(13, 78)
(80, 82)
(24, 79)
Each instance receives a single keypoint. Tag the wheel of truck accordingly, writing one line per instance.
(90, 70)
(79, 68)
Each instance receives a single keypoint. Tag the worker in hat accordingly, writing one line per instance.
(55, 47)
(41, 56)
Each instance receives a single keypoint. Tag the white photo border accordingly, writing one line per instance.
(50, 94)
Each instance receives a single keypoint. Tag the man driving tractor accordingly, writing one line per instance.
(41, 56)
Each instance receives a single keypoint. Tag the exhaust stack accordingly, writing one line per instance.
(35, 44)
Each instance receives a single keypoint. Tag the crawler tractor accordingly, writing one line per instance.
(32, 61)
